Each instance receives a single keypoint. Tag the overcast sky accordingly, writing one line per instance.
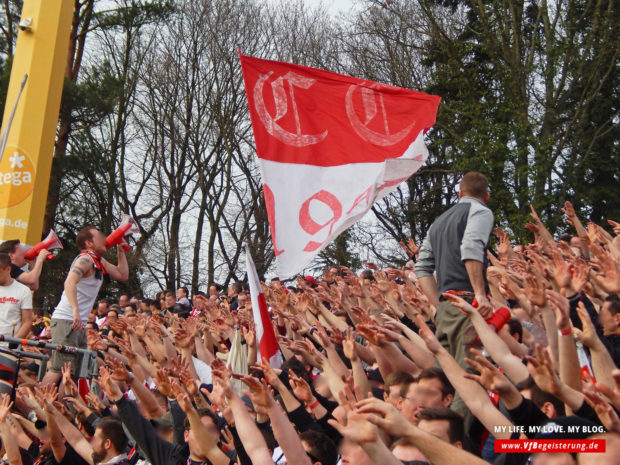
(335, 6)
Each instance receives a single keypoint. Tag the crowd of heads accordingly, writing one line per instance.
(364, 378)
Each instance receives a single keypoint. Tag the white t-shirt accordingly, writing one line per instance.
(13, 299)
(203, 371)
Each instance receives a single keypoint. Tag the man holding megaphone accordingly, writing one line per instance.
(81, 288)
(17, 253)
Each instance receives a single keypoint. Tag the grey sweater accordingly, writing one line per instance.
(460, 233)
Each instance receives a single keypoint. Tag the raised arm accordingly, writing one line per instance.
(602, 363)
(11, 447)
(70, 433)
(253, 440)
(31, 278)
(570, 369)
(144, 396)
(356, 428)
(497, 348)
(120, 271)
(290, 401)
(282, 428)
(474, 396)
(359, 376)
(206, 443)
(436, 450)
(546, 378)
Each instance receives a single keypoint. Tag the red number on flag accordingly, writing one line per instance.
(311, 226)
(360, 198)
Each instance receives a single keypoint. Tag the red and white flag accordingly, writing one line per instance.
(329, 147)
(268, 349)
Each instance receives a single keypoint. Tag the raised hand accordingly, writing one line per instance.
(371, 333)
(188, 380)
(270, 375)
(613, 394)
(503, 247)
(140, 328)
(542, 369)
(355, 426)
(587, 335)
(216, 396)
(68, 384)
(118, 371)
(561, 308)
(581, 274)
(249, 334)
(605, 412)
(108, 385)
(95, 401)
(46, 394)
(308, 352)
(384, 415)
(77, 403)
(461, 304)
(127, 352)
(301, 389)
(431, 341)
(94, 340)
(323, 336)
(162, 381)
(608, 275)
(183, 339)
(361, 315)
(260, 395)
(5, 408)
(227, 438)
(222, 378)
(534, 291)
(119, 326)
(182, 397)
(27, 396)
(560, 270)
(490, 377)
(615, 225)
(348, 346)
(569, 211)
(337, 336)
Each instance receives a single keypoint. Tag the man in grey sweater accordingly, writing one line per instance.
(455, 250)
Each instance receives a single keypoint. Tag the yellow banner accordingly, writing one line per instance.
(41, 54)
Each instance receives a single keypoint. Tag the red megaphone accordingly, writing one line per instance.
(51, 242)
(128, 226)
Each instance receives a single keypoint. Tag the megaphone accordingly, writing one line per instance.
(51, 242)
(128, 226)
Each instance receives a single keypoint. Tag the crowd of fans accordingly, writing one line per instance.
(365, 378)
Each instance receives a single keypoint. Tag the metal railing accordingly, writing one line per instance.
(88, 362)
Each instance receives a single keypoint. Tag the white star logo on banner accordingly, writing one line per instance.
(16, 160)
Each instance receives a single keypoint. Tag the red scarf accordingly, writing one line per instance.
(96, 260)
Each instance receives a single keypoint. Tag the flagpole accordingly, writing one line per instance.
(268, 348)
(5, 134)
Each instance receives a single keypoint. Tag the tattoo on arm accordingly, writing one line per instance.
(81, 266)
